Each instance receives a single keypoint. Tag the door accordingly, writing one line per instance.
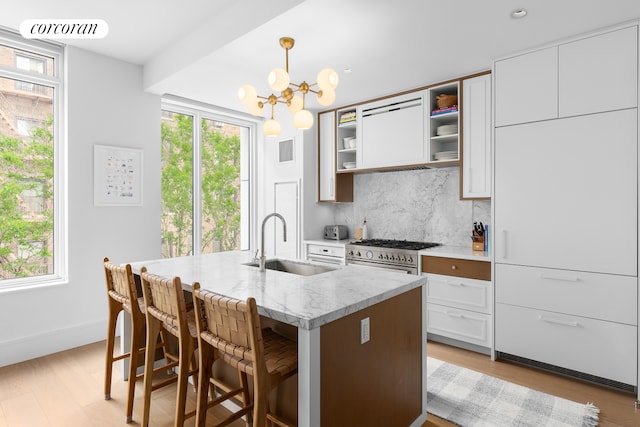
(566, 193)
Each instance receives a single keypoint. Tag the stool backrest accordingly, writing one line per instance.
(164, 300)
(120, 283)
(233, 327)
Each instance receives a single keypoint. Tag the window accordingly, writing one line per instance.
(31, 169)
(206, 174)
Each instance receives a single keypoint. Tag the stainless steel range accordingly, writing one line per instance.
(401, 255)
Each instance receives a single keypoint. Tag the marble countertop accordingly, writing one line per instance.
(460, 252)
(306, 302)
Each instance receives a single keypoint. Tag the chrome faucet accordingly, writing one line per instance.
(263, 259)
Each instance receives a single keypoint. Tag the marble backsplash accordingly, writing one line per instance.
(421, 205)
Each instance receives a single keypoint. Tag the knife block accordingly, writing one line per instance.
(478, 243)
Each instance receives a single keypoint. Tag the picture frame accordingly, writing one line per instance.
(117, 176)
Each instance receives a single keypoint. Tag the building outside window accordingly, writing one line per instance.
(206, 175)
(31, 187)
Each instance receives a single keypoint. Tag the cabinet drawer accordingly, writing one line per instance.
(463, 325)
(480, 270)
(595, 347)
(459, 292)
(599, 296)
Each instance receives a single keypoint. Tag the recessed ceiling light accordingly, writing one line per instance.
(519, 13)
(347, 70)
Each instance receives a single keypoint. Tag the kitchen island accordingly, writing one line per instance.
(344, 378)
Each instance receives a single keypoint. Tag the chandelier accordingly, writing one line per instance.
(279, 81)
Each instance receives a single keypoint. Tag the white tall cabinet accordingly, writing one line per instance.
(475, 168)
(566, 205)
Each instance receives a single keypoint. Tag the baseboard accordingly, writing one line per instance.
(457, 343)
(48, 342)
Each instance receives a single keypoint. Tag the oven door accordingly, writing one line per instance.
(395, 268)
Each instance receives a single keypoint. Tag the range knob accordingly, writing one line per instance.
(410, 259)
(380, 256)
(358, 254)
(404, 259)
(386, 256)
(350, 253)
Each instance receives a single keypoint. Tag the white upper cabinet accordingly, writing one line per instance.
(476, 137)
(590, 75)
(599, 73)
(530, 82)
(392, 132)
(326, 153)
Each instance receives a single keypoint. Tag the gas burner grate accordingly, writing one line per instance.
(395, 244)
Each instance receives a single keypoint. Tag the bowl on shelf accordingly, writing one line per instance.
(349, 165)
(447, 130)
(346, 141)
(351, 143)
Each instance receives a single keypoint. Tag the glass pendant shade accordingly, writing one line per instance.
(303, 119)
(278, 79)
(327, 98)
(247, 94)
(271, 128)
(254, 108)
(327, 79)
(296, 104)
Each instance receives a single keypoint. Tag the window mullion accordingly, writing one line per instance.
(197, 184)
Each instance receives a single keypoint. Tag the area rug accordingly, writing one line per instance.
(471, 399)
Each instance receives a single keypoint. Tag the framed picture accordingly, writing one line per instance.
(117, 176)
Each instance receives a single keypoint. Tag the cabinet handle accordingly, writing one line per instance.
(451, 314)
(458, 284)
(331, 187)
(504, 243)
(559, 322)
(563, 278)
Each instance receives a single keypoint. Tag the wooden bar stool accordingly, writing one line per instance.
(166, 310)
(122, 295)
(230, 329)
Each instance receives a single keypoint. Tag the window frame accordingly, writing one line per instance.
(200, 111)
(56, 51)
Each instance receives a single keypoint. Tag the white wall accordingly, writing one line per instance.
(106, 105)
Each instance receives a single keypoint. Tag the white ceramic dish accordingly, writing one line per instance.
(349, 165)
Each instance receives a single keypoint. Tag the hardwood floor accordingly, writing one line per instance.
(66, 389)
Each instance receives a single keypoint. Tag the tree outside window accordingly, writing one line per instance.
(219, 195)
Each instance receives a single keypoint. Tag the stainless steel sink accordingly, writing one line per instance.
(293, 267)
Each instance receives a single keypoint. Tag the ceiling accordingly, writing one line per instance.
(205, 49)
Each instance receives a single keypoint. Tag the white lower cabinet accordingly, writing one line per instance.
(459, 308)
(586, 322)
(463, 325)
(596, 347)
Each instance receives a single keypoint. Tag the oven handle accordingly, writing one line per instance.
(396, 269)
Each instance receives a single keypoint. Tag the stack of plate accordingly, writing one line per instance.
(349, 165)
(447, 130)
(446, 155)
